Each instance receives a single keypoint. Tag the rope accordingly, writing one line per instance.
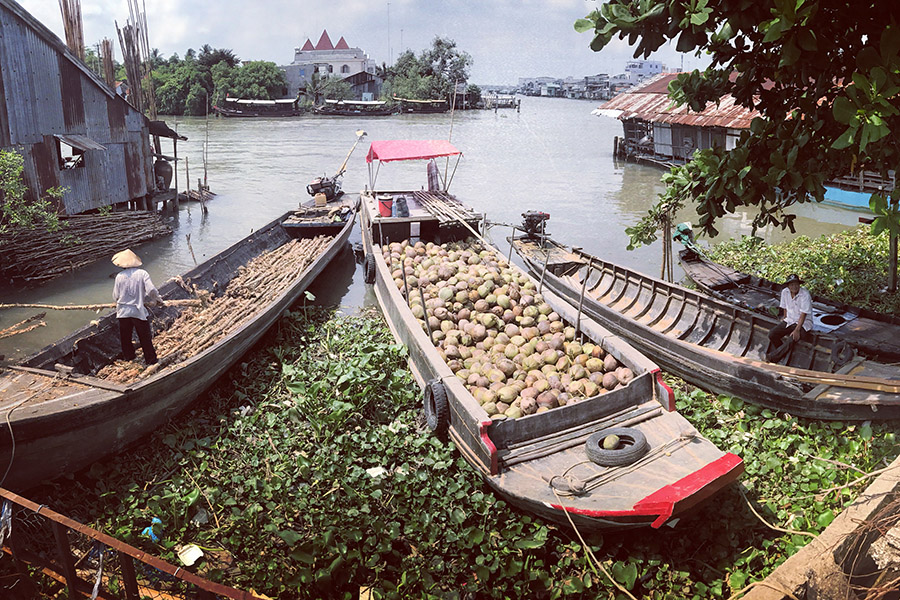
(770, 526)
(579, 486)
(590, 553)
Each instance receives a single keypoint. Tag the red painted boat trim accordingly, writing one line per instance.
(684, 493)
(492, 449)
(669, 401)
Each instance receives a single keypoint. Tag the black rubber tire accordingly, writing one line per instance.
(437, 409)
(369, 267)
(632, 446)
(841, 353)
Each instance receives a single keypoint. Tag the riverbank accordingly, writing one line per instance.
(306, 473)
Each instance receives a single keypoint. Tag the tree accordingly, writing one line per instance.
(314, 88)
(825, 77)
(336, 88)
(209, 56)
(16, 210)
(260, 80)
(431, 75)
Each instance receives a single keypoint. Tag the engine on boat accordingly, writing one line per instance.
(534, 223)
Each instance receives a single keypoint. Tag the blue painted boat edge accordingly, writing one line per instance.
(847, 199)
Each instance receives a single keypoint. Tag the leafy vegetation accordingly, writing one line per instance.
(429, 76)
(16, 208)
(307, 465)
(850, 266)
(190, 86)
(827, 109)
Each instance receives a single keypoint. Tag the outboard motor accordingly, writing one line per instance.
(330, 186)
(533, 223)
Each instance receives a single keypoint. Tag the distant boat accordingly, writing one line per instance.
(408, 105)
(242, 107)
(356, 108)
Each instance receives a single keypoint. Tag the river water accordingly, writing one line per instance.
(553, 156)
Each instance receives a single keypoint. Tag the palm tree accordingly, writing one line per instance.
(315, 88)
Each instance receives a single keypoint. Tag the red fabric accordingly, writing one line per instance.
(388, 150)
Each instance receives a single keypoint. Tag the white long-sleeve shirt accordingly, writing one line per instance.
(132, 287)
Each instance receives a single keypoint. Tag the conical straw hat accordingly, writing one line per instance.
(126, 259)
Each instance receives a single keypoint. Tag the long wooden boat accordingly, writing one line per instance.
(872, 333)
(356, 108)
(62, 417)
(245, 107)
(713, 344)
(408, 105)
(540, 462)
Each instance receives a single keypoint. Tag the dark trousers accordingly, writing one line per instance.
(126, 326)
(778, 333)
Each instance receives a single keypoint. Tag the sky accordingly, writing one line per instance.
(507, 39)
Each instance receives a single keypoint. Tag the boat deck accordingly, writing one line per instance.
(29, 392)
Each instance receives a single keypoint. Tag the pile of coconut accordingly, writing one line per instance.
(513, 352)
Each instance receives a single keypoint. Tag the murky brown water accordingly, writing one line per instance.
(552, 156)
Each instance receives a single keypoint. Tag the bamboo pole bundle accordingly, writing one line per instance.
(131, 60)
(96, 307)
(71, 16)
(18, 327)
(256, 285)
(37, 255)
(109, 57)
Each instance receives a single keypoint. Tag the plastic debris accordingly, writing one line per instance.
(151, 532)
(189, 554)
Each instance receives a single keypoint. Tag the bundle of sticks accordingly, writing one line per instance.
(256, 285)
(38, 255)
(24, 326)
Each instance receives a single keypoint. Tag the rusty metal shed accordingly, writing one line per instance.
(70, 126)
(657, 130)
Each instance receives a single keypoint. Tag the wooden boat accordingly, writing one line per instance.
(59, 422)
(244, 107)
(871, 333)
(713, 344)
(408, 105)
(539, 462)
(356, 108)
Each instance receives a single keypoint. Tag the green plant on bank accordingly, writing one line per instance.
(850, 266)
(309, 467)
(105, 211)
(16, 210)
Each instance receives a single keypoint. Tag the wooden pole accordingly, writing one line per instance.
(186, 302)
(175, 147)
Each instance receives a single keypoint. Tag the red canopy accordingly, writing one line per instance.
(388, 150)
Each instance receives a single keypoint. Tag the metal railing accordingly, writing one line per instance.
(50, 552)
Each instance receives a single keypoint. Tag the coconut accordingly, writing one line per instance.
(577, 372)
(594, 365)
(507, 366)
(610, 381)
(610, 363)
(508, 393)
(490, 408)
(624, 375)
(541, 385)
(529, 406)
(514, 412)
(590, 388)
(547, 399)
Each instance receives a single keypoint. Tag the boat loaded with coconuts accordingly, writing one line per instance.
(559, 416)
(77, 401)
(714, 344)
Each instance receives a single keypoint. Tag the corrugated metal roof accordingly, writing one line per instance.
(82, 142)
(650, 102)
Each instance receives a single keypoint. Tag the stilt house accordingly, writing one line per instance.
(71, 127)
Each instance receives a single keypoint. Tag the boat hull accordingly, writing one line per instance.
(513, 455)
(712, 344)
(62, 436)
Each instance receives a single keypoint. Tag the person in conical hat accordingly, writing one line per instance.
(132, 289)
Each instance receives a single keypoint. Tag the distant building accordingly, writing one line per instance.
(639, 70)
(331, 60)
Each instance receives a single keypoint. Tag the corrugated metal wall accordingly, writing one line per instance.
(45, 91)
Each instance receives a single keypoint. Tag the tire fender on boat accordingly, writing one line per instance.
(632, 446)
(369, 266)
(437, 408)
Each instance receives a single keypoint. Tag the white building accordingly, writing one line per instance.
(326, 58)
(638, 70)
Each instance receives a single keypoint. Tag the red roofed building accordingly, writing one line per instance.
(327, 59)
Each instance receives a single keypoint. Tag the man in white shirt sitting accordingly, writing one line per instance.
(796, 307)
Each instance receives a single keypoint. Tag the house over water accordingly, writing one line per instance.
(327, 59)
(71, 127)
(657, 132)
